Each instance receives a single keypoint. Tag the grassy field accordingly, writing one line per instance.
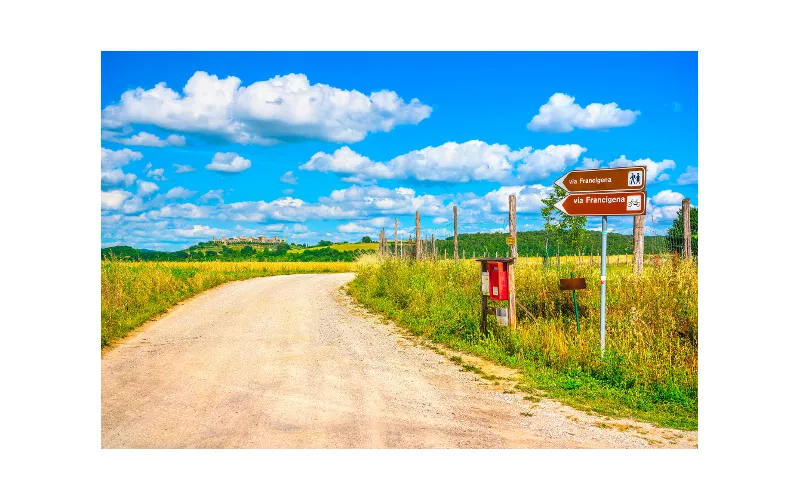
(649, 371)
(135, 292)
(342, 247)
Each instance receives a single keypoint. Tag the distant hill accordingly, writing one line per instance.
(529, 243)
(210, 251)
(341, 247)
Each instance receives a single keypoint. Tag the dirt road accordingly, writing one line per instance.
(291, 362)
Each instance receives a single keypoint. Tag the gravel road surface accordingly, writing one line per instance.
(292, 362)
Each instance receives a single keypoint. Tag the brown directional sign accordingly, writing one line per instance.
(604, 203)
(572, 283)
(604, 179)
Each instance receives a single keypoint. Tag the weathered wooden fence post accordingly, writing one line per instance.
(418, 250)
(638, 243)
(512, 288)
(484, 298)
(455, 232)
(395, 237)
(687, 229)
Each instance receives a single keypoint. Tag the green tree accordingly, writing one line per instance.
(550, 216)
(366, 239)
(559, 226)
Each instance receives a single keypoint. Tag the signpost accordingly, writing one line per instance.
(573, 284)
(603, 179)
(604, 192)
(610, 203)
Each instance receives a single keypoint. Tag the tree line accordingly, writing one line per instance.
(228, 254)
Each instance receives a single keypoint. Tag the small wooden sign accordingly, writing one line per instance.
(572, 283)
(511, 240)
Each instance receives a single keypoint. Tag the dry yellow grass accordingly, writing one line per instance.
(135, 292)
(341, 247)
(650, 366)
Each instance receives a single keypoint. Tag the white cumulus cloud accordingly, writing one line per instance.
(228, 162)
(180, 192)
(661, 213)
(110, 159)
(354, 227)
(289, 178)
(562, 114)
(654, 169)
(198, 231)
(529, 198)
(214, 194)
(182, 169)
(688, 177)
(380, 200)
(265, 112)
(451, 162)
(543, 162)
(116, 176)
(156, 173)
(146, 188)
(113, 200)
(144, 139)
(668, 197)
(590, 163)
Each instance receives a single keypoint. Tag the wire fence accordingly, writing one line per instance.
(553, 247)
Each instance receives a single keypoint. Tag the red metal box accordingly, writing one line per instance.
(498, 280)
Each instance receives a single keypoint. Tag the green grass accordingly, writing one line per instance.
(135, 292)
(649, 371)
(342, 247)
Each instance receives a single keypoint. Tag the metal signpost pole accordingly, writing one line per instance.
(603, 289)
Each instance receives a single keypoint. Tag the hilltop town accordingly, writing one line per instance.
(250, 239)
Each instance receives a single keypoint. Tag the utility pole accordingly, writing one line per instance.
(455, 232)
(419, 243)
(687, 229)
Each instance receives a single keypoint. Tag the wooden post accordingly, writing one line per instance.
(455, 232)
(433, 246)
(395, 237)
(484, 300)
(687, 229)
(638, 243)
(512, 289)
(419, 243)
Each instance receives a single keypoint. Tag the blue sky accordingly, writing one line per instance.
(334, 146)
